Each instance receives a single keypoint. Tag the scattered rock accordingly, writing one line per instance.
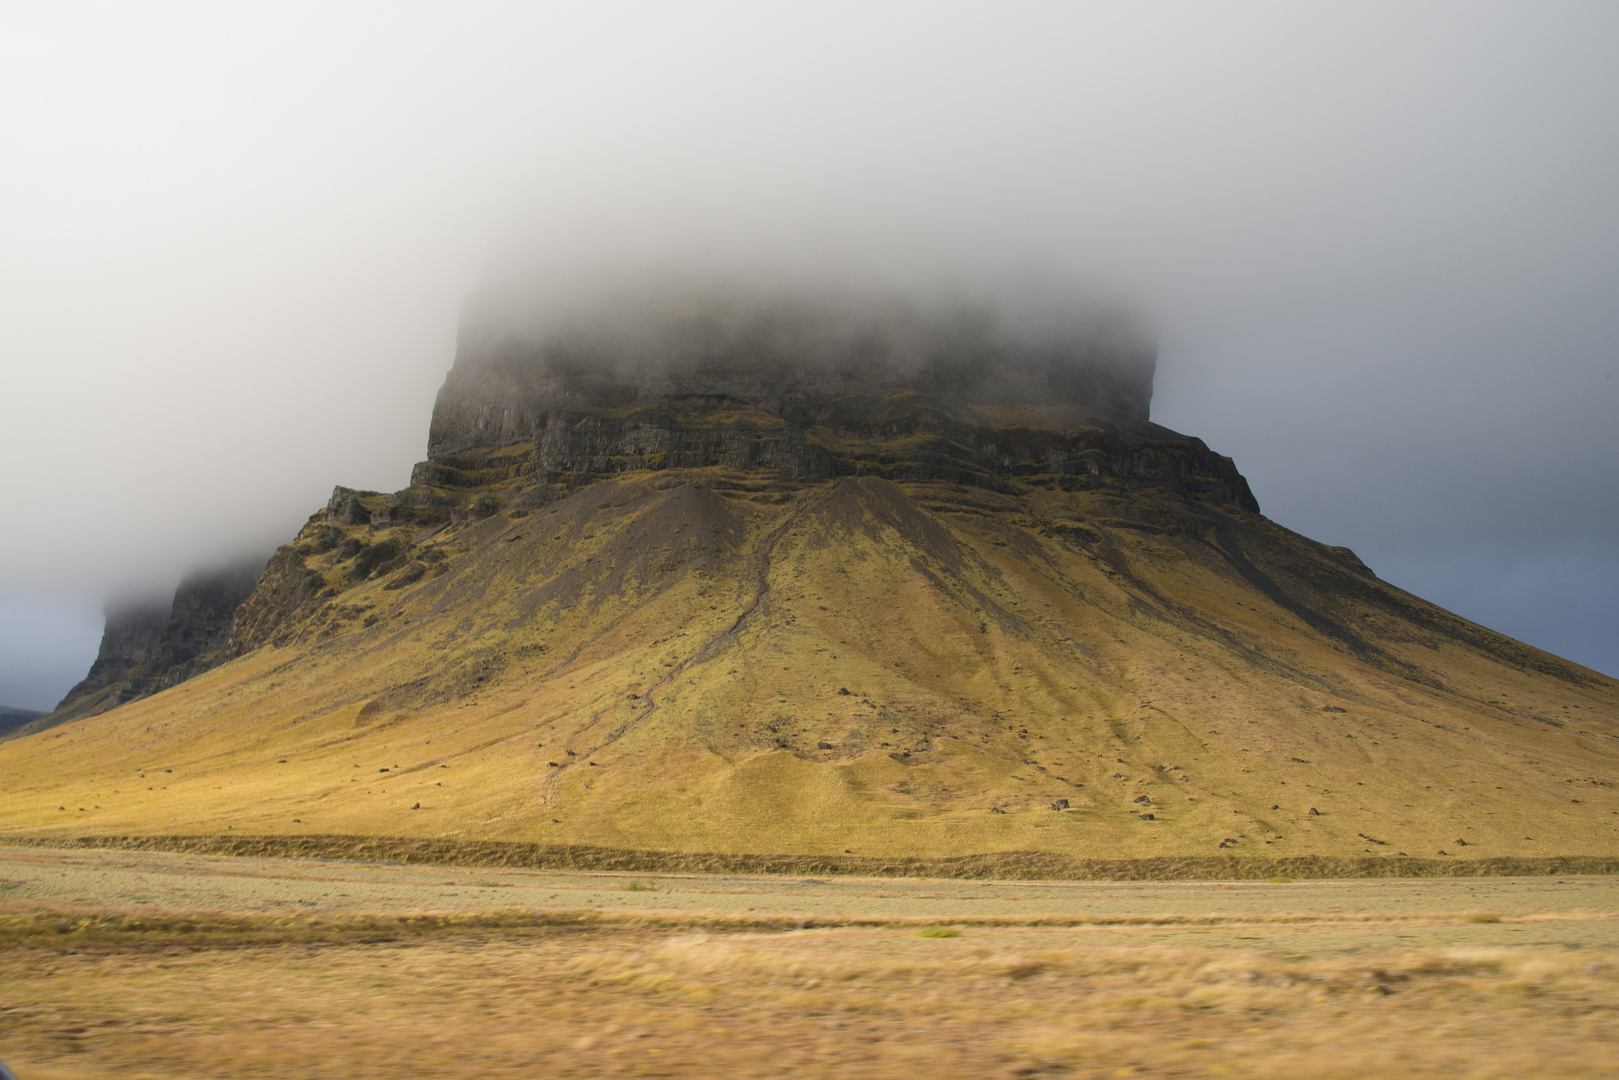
(1300, 761)
(1331, 708)
(996, 810)
(1275, 806)
(1461, 843)
(1314, 812)
(843, 692)
(823, 745)
(1141, 799)
(1146, 817)
(415, 806)
(1060, 804)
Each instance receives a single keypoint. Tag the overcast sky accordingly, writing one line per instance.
(1379, 244)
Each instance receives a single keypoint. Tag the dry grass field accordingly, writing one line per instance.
(143, 964)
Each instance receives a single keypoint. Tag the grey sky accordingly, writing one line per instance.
(1379, 244)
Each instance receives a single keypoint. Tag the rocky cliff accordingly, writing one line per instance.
(11, 719)
(148, 647)
(522, 421)
(812, 368)
(765, 400)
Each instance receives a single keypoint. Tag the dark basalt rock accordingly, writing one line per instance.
(149, 647)
(345, 508)
(806, 365)
(286, 589)
(11, 719)
(520, 421)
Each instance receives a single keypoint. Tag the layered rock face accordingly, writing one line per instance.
(761, 401)
(521, 422)
(812, 369)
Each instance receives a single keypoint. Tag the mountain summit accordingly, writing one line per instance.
(776, 581)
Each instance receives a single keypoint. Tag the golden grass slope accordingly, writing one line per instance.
(694, 661)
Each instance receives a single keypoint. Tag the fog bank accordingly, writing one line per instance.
(1376, 243)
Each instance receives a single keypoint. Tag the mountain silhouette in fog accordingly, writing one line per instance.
(788, 581)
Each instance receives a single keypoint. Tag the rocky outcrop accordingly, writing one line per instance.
(11, 719)
(148, 647)
(286, 590)
(126, 659)
(900, 436)
(521, 421)
(806, 368)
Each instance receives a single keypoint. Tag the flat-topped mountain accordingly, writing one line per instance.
(743, 583)
(802, 395)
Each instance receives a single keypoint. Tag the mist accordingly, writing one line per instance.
(684, 330)
(1376, 244)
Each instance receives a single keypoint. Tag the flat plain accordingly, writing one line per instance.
(159, 965)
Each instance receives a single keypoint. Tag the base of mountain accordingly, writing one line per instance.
(1002, 866)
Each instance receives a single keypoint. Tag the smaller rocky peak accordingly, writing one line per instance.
(11, 719)
(150, 645)
(346, 507)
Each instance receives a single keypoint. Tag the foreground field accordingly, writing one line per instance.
(162, 966)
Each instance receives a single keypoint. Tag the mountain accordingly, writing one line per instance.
(755, 583)
(12, 719)
(148, 647)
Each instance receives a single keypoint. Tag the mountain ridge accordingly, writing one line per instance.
(148, 647)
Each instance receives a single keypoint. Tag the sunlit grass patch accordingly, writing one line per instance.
(93, 993)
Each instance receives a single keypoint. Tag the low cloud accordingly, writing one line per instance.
(1376, 243)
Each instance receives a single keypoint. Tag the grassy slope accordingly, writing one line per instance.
(680, 655)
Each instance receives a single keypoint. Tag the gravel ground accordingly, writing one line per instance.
(1571, 912)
